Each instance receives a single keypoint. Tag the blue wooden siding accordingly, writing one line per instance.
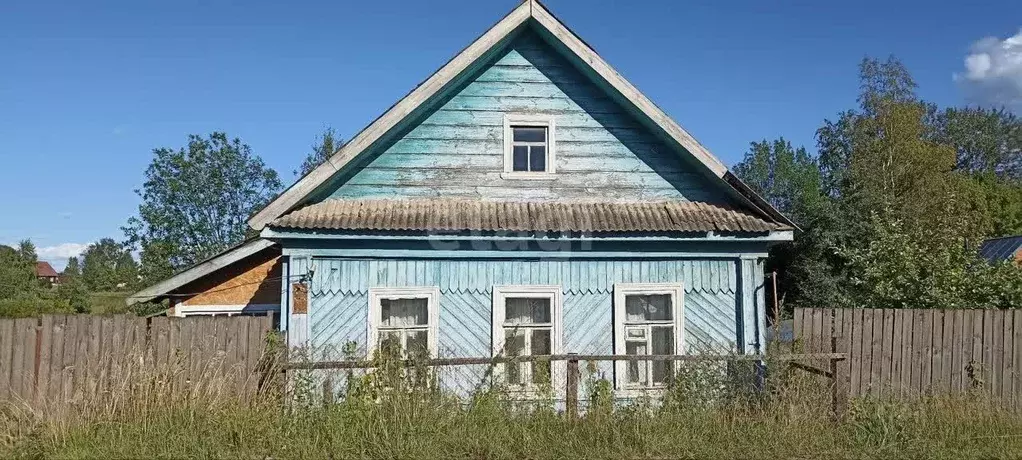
(714, 310)
(457, 149)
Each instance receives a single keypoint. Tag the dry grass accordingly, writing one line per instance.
(706, 414)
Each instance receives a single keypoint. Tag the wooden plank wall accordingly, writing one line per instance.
(900, 352)
(56, 360)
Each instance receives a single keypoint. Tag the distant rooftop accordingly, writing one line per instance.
(44, 269)
(998, 249)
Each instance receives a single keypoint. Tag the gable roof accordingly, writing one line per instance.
(44, 269)
(998, 249)
(533, 13)
(206, 267)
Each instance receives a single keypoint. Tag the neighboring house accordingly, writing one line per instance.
(1000, 249)
(524, 199)
(45, 272)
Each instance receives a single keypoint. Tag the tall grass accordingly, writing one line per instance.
(709, 411)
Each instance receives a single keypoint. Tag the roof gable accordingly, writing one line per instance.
(466, 64)
(457, 148)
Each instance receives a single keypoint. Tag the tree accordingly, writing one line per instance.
(790, 180)
(108, 265)
(72, 289)
(326, 144)
(195, 201)
(17, 270)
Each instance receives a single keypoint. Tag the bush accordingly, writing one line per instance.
(33, 304)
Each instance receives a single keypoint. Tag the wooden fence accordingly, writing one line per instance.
(919, 351)
(63, 359)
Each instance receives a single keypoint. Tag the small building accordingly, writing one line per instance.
(44, 272)
(1001, 249)
(524, 199)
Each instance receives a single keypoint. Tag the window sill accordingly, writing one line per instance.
(528, 175)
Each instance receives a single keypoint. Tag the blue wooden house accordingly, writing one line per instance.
(524, 199)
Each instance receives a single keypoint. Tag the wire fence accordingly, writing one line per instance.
(571, 381)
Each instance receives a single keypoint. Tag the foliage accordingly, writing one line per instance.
(195, 201)
(143, 418)
(27, 304)
(108, 265)
(17, 270)
(906, 192)
(326, 144)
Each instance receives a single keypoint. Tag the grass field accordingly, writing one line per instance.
(699, 419)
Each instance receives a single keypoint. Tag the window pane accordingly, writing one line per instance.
(526, 134)
(655, 307)
(636, 332)
(417, 344)
(541, 345)
(514, 345)
(403, 312)
(520, 162)
(390, 343)
(525, 310)
(663, 344)
(636, 369)
(537, 158)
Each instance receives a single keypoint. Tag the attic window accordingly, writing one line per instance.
(528, 147)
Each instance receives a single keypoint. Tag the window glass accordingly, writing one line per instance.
(537, 158)
(523, 310)
(663, 344)
(403, 312)
(649, 307)
(636, 369)
(529, 134)
(520, 162)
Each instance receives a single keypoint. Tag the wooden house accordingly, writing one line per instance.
(523, 199)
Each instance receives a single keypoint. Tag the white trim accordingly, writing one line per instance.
(450, 71)
(199, 270)
(180, 310)
(677, 293)
(552, 292)
(432, 296)
(531, 121)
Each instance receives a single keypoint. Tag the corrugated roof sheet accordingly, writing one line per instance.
(467, 215)
(998, 249)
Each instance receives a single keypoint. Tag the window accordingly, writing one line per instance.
(528, 146)
(527, 322)
(404, 320)
(648, 320)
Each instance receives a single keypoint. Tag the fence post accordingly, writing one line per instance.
(839, 387)
(571, 397)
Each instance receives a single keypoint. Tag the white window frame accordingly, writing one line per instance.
(181, 310)
(621, 290)
(432, 296)
(552, 292)
(530, 121)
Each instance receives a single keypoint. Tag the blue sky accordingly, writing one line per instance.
(88, 89)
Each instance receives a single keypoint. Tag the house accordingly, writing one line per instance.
(1000, 249)
(44, 272)
(523, 199)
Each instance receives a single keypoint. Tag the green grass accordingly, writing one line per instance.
(701, 418)
(108, 302)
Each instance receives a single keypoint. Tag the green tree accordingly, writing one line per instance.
(107, 265)
(326, 144)
(72, 289)
(790, 179)
(17, 270)
(195, 201)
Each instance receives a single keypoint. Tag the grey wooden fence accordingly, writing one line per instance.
(58, 359)
(919, 351)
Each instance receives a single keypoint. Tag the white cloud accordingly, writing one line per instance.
(993, 72)
(58, 255)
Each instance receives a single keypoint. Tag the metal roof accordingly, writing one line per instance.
(998, 249)
(444, 214)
